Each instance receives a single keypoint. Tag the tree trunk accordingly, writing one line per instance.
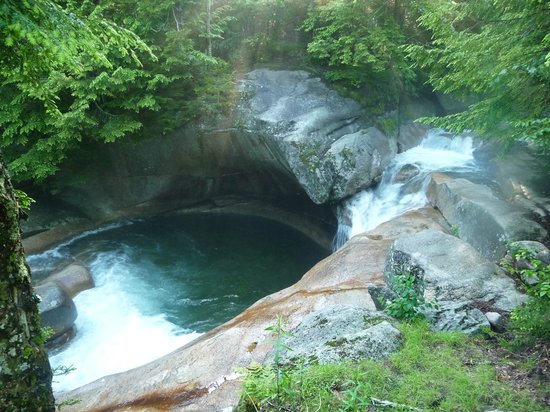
(209, 27)
(25, 373)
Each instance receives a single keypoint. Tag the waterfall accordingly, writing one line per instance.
(402, 187)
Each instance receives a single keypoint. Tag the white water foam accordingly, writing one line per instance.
(115, 331)
(396, 195)
(48, 260)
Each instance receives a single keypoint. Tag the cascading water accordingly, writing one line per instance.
(403, 184)
(160, 283)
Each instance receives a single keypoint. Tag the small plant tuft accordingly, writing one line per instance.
(455, 230)
(269, 386)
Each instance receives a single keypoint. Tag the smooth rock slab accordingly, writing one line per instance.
(483, 220)
(342, 333)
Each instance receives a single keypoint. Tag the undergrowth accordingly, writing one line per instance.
(531, 321)
(434, 371)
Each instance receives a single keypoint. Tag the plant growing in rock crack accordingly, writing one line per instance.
(279, 333)
(455, 231)
(409, 301)
(269, 385)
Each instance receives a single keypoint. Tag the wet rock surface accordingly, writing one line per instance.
(72, 279)
(57, 309)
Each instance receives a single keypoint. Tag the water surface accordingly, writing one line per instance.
(162, 282)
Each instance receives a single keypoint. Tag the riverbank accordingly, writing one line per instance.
(434, 371)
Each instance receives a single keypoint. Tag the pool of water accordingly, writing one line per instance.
(162, 282)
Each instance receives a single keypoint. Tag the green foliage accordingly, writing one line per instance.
(264, 31)
(67, 402)
(455, 230)
(270, 385)
(62, 370)
(56, 70)
(278, 333)
(46, 332)
(23, 199)
(433, 371)
(532, 320)
(388, 125)
(103, 83)
(409, 301)
(497, 51)
(361, 41)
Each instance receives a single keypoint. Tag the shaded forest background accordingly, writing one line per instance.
(75, 72)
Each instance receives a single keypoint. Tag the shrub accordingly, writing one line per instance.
(532, 320)
(409, 301)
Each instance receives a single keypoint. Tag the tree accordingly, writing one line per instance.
(73, 77)
(59, 69)
(361, 43)
(25, 374)
(497, 51)
(41, 45)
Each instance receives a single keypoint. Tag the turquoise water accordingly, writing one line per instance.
(161, 282)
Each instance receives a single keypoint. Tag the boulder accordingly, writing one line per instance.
(453, 274)
(73, 279)
(48, 238)
(406, 173)
(322, 136)
(342, 333)
(355, 161)
(57, 309)
(453, 316)
(496, 320)
(483, 220)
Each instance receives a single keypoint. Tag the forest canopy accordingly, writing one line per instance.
(77, 72)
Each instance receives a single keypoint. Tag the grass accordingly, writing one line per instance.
(433, 372)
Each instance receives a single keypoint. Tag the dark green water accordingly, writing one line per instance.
(197, 270)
